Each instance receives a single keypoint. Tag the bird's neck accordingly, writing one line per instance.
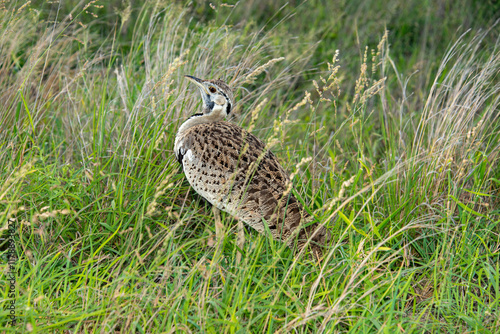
(215, 115)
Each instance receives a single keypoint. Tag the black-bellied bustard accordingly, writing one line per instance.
(232, 169)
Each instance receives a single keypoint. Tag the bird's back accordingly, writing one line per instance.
(232, 169)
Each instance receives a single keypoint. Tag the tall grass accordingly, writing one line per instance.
(110, 236)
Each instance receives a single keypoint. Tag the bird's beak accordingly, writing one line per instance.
(198, 82)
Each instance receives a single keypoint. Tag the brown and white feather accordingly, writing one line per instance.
(232, 169)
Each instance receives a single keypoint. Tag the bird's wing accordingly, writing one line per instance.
(258, 184)
(254, 186)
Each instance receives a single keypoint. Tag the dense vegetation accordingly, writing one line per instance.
(385, 113)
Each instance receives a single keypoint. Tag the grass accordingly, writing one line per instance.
(394, 147)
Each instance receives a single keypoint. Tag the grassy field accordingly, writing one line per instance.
(385, 113)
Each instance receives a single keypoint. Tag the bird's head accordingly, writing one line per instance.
(217, 96)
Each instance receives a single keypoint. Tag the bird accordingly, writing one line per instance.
(234, 171)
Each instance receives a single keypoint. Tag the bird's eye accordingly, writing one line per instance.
(212, 89)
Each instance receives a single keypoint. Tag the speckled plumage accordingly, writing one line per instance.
(231, 169)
